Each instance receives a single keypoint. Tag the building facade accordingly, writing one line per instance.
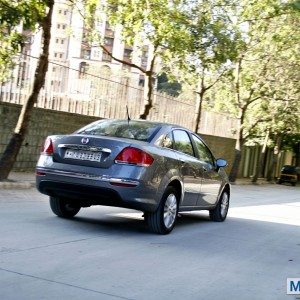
(71, 57)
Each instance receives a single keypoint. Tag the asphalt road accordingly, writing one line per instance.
(107, 253)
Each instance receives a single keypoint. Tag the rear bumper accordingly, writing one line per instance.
(97, 190)
(288, 178)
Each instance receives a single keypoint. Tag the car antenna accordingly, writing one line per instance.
(128, 117)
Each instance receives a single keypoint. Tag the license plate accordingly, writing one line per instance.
(83, 155)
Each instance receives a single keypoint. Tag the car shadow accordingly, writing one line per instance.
(119, 224)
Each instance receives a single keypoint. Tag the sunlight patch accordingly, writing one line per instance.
(287, 213)
(133, 215)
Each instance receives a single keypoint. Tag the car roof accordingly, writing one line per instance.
(154, 123)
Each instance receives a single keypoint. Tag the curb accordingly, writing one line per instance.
(16, 185)
(249, 182)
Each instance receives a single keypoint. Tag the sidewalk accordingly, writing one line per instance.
(18, 180)
(22, 180)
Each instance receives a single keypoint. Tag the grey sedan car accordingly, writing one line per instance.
(160, 169)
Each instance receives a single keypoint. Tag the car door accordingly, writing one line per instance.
(211, 179)
(190, 167)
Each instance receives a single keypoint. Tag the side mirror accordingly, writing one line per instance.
(221, 163)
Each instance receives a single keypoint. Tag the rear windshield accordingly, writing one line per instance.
(141, 131)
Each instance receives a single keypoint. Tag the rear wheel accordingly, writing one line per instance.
(162, 221)
(63, 208)
(219, 213)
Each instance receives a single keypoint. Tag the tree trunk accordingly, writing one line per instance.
(200, 96)
(237, 152)
(260, 161)
(236, 163)
(297, 152)
(273, 166)
(148, 95)
(199, 100)
(11, 152)
(270, 172)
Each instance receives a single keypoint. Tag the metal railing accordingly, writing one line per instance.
(77, 91)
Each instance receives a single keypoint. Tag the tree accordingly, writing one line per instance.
(12, 14)
(210, 48)
(263, 41)
(283, 127)
(160, 23)
(40, 13)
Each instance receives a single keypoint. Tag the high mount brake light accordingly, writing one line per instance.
(134, 156)
(48, 147)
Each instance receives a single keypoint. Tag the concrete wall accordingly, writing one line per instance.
(45, 122)
(221, 148)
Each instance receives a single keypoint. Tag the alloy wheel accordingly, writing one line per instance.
(170, 211)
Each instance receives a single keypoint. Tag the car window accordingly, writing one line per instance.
(204, 153)
(142, 131)
(182, 142)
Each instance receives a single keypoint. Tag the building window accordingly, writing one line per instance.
(109, 41)
(58, 55)
(127, 53)
(142, 80)
(56, 41)
(65, 12)
(83, 68)
(61, 26)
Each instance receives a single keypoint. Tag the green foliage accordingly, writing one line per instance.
(172, 88)
(263, 90)
(160, 22)
(16, 16)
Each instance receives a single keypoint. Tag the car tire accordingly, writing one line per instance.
(219, 213)
(293, 183)
(63, 208)
(279, 182)
(163, 220)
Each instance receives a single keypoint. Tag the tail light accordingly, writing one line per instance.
(134, 156)
(48, 147)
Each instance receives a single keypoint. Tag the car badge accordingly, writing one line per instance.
(84, 141)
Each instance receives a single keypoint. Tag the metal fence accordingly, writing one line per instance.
(74, 91)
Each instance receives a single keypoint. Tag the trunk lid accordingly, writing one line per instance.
(87, 150)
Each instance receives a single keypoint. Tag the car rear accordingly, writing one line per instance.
(113, 165)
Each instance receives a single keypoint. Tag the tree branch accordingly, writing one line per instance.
(121, 60)
(218, 78)
(254, 124)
